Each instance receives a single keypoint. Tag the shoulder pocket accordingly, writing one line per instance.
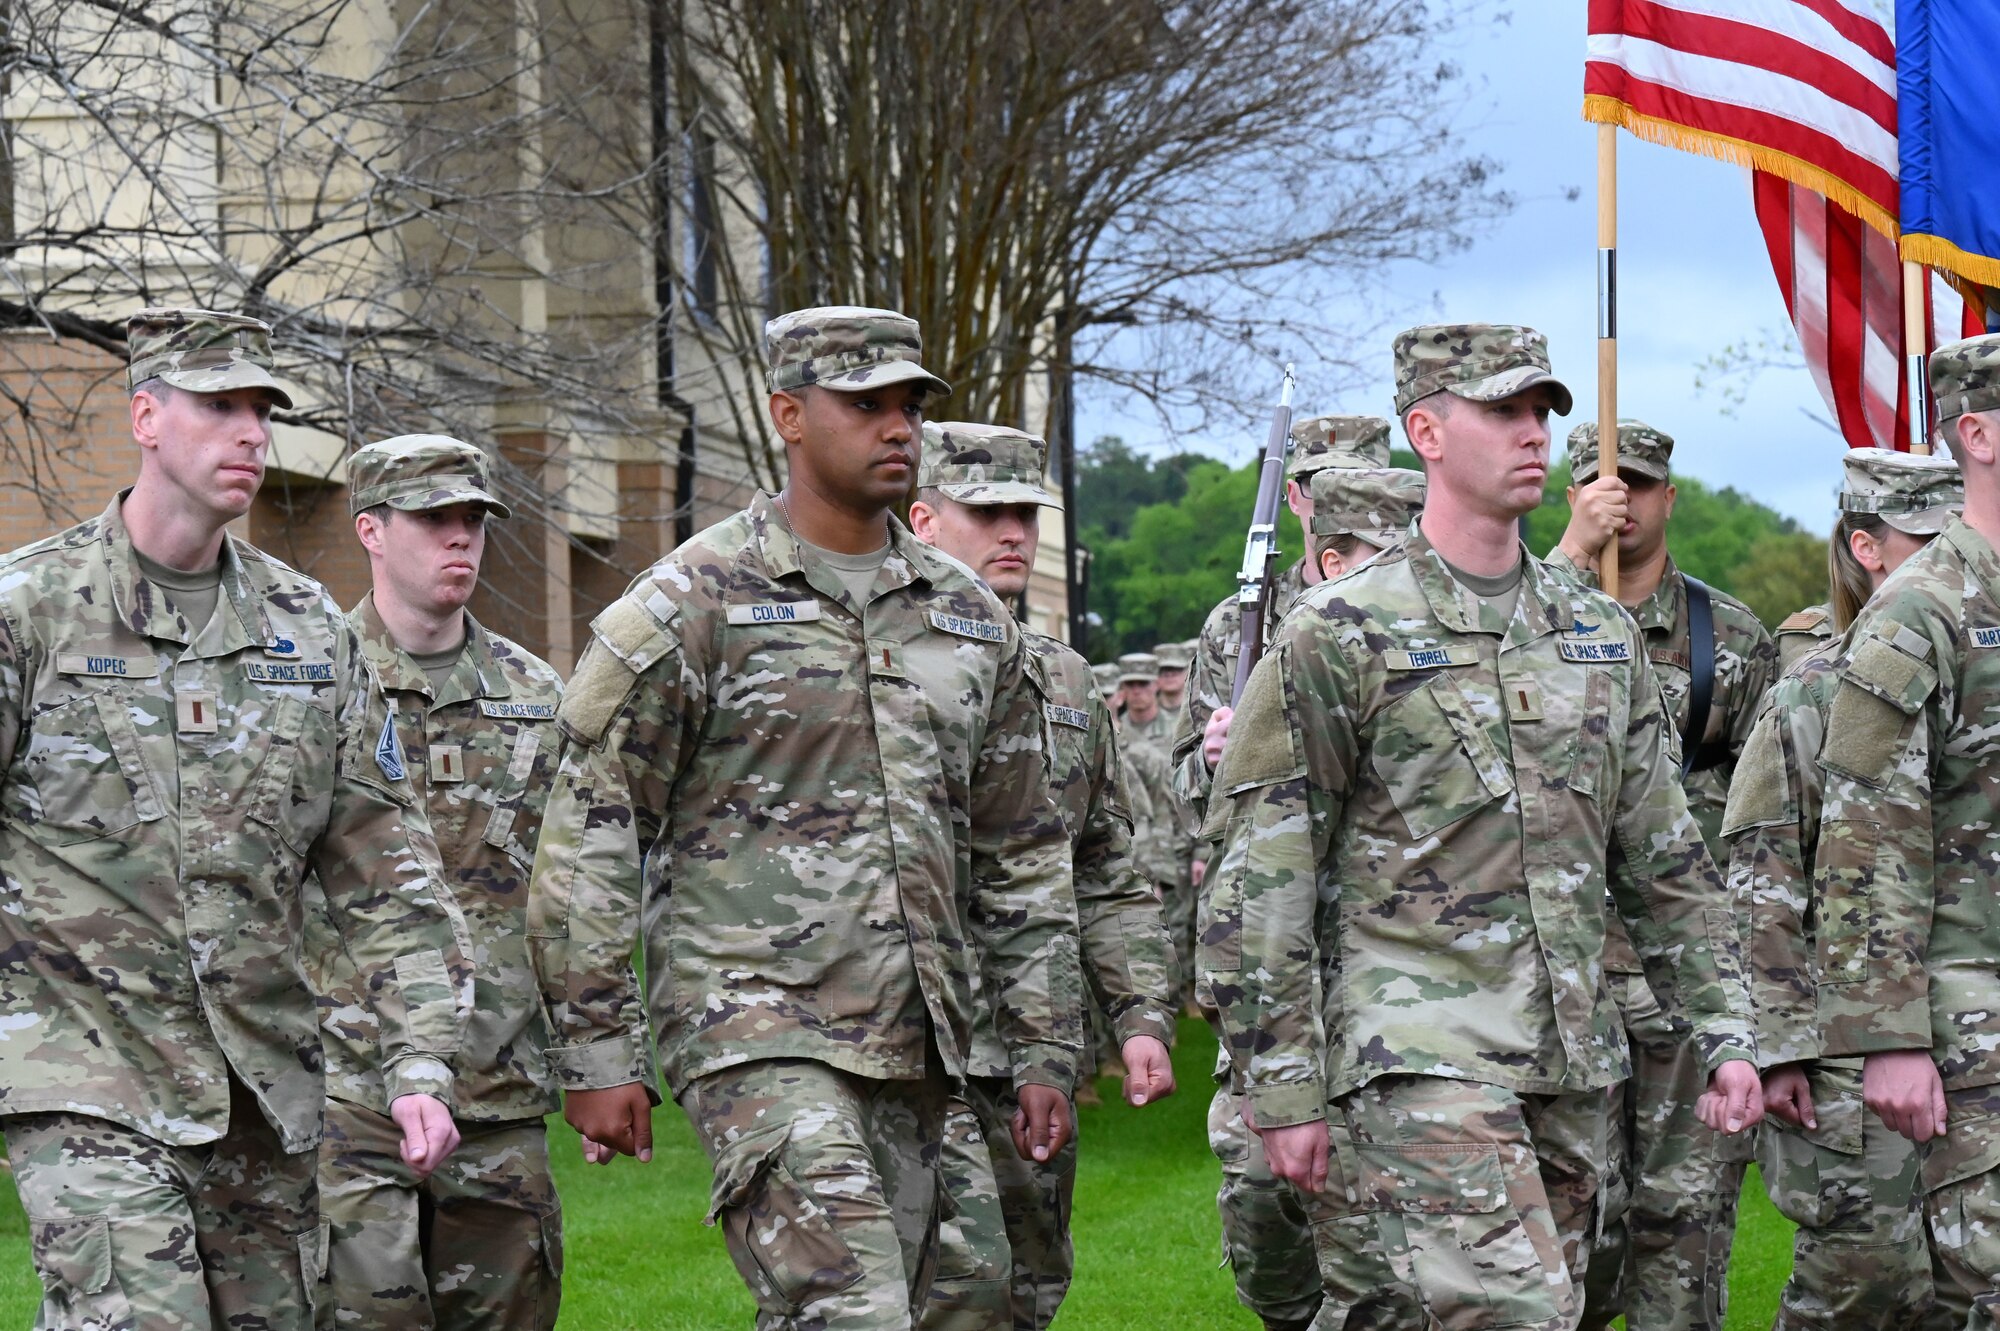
(1761, 792)
(629, 640)
(1882, 688)
(1263, 747)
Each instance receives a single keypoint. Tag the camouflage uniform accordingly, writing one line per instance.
(1126, 955)
(1851, 1185)
(1802, 633)
(1424, 805)
(1284, 1263)
(479, 1241)
(167, 786)
(1161, 842)
(1902, 887)
(1671, 1184)
(831, 822)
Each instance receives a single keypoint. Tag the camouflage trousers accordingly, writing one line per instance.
(1671, 1186)
(1267, 1234)
(1962, 1203)
(1004, 1256)
(1482, 1200)
(1177, 908)
(1860, 1261)
(130, 1234)
(826, 1189)
(476, 1244)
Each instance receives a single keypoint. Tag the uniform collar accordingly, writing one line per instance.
(783, 552)
(1977, 551)
(1539, 609)
(143, 606)
(1665, 611)
(476, 675)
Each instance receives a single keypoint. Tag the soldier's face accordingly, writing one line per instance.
(430, 558)
(209, 446)
(996, 541)
(1495, 455)
(1649, 503)
(1171, 682)
(1141, 698)
(857, 450)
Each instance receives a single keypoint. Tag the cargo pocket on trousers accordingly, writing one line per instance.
(314, 1244)
(80, 1289)
(784, 1245)
(1468, 1252)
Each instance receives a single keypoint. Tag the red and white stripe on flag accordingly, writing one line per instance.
(1843, 288)
(1805, 89)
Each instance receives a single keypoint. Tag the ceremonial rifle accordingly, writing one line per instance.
(1260, 547)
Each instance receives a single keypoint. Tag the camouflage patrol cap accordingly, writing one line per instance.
(1138, 668)
(417, 471)
(1107, 678)
(1641, 449)
(1909, 491)
(200, 351)
(1172, 656)
(846, 348)
(1965, 376)
(1337, 441)
(1375, 503)
(1478, 362)
(984, 464)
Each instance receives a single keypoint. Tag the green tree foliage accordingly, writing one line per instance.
(1166, 539)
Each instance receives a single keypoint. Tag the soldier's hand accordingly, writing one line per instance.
(1788, 1095)
(1734, 1099)
(1198, 870)
(1042, 1123)
(1906, 1092)
(1298, 1154)
(1216, 735)
(1598, 515)
(615, 1120)
(1149, 1071)
(429, 1135)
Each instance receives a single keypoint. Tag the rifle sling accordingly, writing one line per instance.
(1695, 756)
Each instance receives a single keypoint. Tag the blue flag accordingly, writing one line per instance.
(1947, 104)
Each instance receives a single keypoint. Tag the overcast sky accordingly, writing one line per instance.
(1694, 277)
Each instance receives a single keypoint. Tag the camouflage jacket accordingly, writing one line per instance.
(825, 818)
(1211, 680)
(1127, 955)
(483, 751)
(163, 794)
(1906, 932)
(1159, 842)
(1803, 632)
(1424, 807)
(1746, 665)
(1771, 829)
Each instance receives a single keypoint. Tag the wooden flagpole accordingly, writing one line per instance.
(1607, 333)
(1916, 355)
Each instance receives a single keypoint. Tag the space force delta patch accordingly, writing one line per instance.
(1600, 653)
(1075, 717)
(983, 630)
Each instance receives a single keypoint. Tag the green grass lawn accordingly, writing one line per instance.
(1147, 1241)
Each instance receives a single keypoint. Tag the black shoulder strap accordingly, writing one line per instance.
(1701, 670)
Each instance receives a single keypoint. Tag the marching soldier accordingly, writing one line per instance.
(1172, 683)
(478, 1242)
(187, 729)
(1447, 758)
(1158, 837)
(979, 498)
(1905, 933)
(1356, 510)
(1851, 1185)
(803, 760)
(1662, 1260)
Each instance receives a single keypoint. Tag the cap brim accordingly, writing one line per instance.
(1138, 679)
(1924, 522)
(1001, 492)
(1587, 473)
(884, 373)
(430, 499)
(226, 379)
(1518, 380)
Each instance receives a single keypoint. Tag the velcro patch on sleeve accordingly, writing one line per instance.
(1263, 748)
(1882, 688)
(775, 612)
(980, 630)
(633, 634)
(1760, 793)
(1431, 658)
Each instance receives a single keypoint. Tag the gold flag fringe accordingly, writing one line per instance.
(1968, 271)
(1604, 110)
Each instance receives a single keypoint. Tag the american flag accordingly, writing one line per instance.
(1803, 92)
